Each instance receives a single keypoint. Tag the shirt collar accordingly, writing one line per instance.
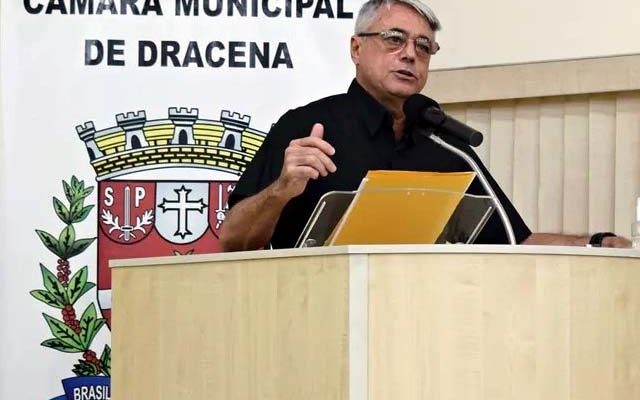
(372, 113)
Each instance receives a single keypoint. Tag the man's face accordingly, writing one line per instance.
(392, 75)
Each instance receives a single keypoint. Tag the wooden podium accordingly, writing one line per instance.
(379, 322)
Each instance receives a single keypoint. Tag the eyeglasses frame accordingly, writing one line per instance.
(386, 33)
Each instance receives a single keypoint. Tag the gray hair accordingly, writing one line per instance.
(369, 10)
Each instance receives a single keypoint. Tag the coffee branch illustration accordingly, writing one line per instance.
(62, 290)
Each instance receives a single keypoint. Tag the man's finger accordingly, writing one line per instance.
(304, 172)
(315, 139)
(311, 141)
(324, 159)
(309, 160)
(317, 130)
(309, 156)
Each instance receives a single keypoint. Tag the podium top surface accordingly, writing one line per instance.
(381, 249)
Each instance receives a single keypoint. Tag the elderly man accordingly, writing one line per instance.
(332, 143)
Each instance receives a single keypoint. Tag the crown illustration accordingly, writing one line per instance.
(138, 144)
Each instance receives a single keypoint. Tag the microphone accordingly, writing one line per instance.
(426, 112)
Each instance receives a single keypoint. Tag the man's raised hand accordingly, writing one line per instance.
(305, 158)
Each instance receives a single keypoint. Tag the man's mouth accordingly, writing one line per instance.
(405, 73)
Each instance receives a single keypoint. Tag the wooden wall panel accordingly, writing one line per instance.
(526, 156)
(479, 117)
(627, 164)
(569, 163)
(550, 192)
(501, 144)
(602, 151)
(541, 79)
(576, 164)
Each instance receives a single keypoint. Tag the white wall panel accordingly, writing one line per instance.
(627, 163)
(602, 150)
(550, 192)
(576, 164)
(526, 165)
(501, 144)
(570, 164)
(479, 117)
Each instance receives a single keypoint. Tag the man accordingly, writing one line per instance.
(330, 144)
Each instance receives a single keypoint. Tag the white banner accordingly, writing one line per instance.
(124, 126)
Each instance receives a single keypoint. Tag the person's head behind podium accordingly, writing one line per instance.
(391, 48)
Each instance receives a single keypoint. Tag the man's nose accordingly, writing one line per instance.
(409, 50)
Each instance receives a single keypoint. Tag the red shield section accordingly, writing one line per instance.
(218, 196)
(126, 210)
(127, 213)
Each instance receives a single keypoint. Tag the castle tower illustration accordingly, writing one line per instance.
(234, 125)
(87, 133)
(132, 124)
(181, 140)
(183, 120)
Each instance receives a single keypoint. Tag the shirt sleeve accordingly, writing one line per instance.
(266, 165)
(494, 231)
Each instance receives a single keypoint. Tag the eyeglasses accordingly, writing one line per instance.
(396, 40)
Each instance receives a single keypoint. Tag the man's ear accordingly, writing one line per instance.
(355, 50)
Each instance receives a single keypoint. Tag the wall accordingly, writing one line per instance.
(561, 138)
(494, 32)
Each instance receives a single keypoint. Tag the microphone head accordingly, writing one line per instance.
(415, 104)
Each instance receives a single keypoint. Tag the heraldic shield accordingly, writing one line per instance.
(163, 184)
(153, 219)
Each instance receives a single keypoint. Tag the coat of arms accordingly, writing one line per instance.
(162, 190)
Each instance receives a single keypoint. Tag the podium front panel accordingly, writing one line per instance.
(380, 323)
(477, 326)
(259, 329)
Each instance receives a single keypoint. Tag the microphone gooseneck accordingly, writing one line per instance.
(483, 180)
(423, 112)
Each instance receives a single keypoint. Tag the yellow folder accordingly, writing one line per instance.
(397, 207)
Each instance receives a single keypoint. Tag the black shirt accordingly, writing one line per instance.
(360, 129)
